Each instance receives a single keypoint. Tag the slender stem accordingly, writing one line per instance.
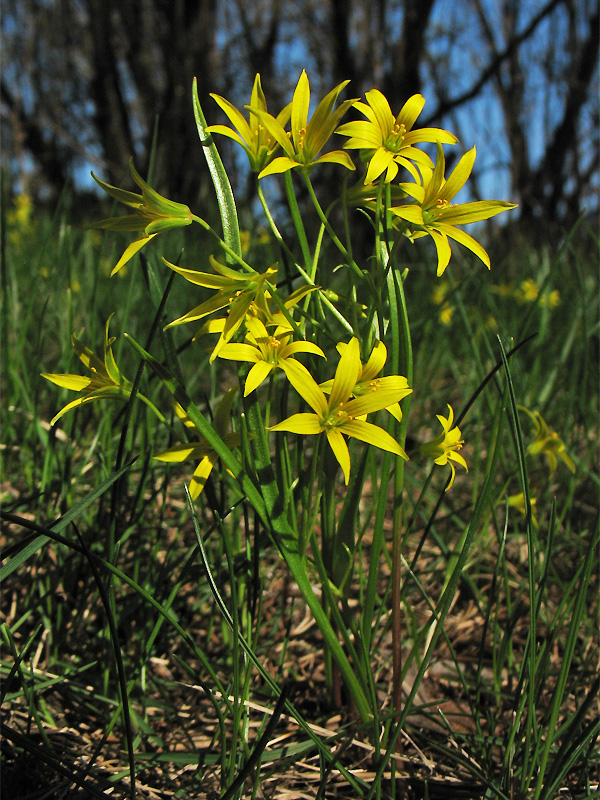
(402, 359)
(297, 220)
(273, 226)
(334, 237)
(309, 515)
(224, 246)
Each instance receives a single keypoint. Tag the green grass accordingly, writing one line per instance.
(174, 647)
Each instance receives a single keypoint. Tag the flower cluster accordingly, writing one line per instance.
(385, 142)
(255, 322)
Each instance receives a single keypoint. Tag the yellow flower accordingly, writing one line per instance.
(270, 314)
(443, 449)
(252, 135)
(307, 138)
(338, 414)
(21, 215)
(505, 290)
(434, 214)
(368, 382)
(388, 141)
(153, 214)
(19, 218)
(107, 380)
(266, 352)
(445, 315)
(528, 292)
(201, 448)
(235, 290)
(439, 294)
(518, 501)
(550, 299)
(547, 443)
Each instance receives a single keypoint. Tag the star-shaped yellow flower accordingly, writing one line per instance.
(368, 382)
(443, 448)
(107, 380)
(252, 135)
(433, 214)
(387, 141)
(267, 352)
(235, 290)
(339, 415)
(153, 214)
(307, 139)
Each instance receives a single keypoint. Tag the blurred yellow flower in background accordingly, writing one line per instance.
(547, 443)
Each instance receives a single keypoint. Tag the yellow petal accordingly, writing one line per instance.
(130, 251)
(304, 347)
(200, 475)
(375, 363)
(467, 241)
(256, 376)
(346, 374)
(375, 401)
(459, 176)
(299, 423)
(300, 105)
(336, 157)
(443, 250)
(340, 451)
(411, 110)
(306, 386)
(381, 109)
(373, 434)
(240, 352)
(381, 160)
(278, 165)
(74, 382)
(465, 213)
(235, 117)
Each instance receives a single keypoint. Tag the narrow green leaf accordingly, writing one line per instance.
(225, 199)
(32, 546)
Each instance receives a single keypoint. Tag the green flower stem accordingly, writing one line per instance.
(268, 504)
(401, 363)
(308, 276)
(351, 262)
(224, 246)
(328, 544)
(325, 300)
(153, 408)
(298, 223)
(309, 516)
(273, 226)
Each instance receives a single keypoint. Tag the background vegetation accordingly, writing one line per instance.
(86, 81)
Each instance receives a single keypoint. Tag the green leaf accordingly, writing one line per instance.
(225, 199)
(32, 546)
